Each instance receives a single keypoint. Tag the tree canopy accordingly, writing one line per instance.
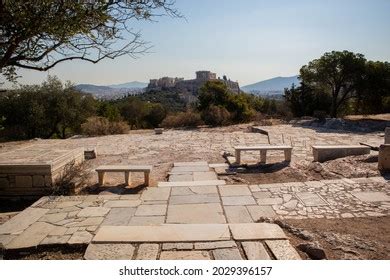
(39, 34)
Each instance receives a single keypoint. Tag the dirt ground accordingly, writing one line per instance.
(352, 238)
(53, 253)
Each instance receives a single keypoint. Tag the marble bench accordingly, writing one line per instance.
(263, 151)
(101, 170)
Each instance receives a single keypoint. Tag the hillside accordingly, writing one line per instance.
(277, 84)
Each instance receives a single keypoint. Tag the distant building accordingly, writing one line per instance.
(190, 88)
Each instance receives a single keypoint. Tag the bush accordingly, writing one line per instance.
(102, 126)
(216, 116)
(183, 119)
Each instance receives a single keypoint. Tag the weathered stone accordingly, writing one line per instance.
(196, 214)
(256, 231)
(122, 203)
(119, 217)
(190, 163)
(184, 255)
(4, 183)
(194, 198)
(66, 204)
(32, 236)
(214, 245)
(109, 252)
(6, 238)
(204, 190)
(227, 254)
(372, 196)
(311, 199)
(270, 201)
(205, 176)
(292, 204)
(255, 251)
(181, 177)
(282, 250)
(23, 181)
(313, 250)
(162, 233)
(55, 239)
(151, 210)
(146, 220)
(262, 195)
(234, 191)
(258, 212)
(38, 181)
(177, 246)
(328, 152)
(58, 230)
(156, 194)
(91, 221)
(93, 212)
(237, 214)
(238, 200)
(80, 237)
(191, 183)
(53, 218)
(181, 191)
(23, 220)
(347, 215)
(147, 251)
(199, 168)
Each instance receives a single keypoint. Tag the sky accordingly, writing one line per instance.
(247, 40)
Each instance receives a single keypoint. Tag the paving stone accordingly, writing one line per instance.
(151, 210)
(93, 212)
(184, 255)
(22, 221)
(200, 168)
(282, 250)
(238, 200)
(119, 217)
(194, 198)
(372, 196)
(109, 252)
(227, 254)
(258, 212)
(347, 215)
(196, 214)
(262, 195)
(32, 236)
(270, 201)
(130, 197)
(311, 199)
(66, 204)
(6, 238)
(80, 237)
(181, 191)
(292, 204)
(256, 231)
(91, 221)
(237, 214)
(205, 176)
(156, 194)
(146, 220)
(214, 245)
(55, 239)
(177, 246)
(58, 230)
(234, 191)
(181, 177)
(191, 183)
(204, 190)
(190, 163)
(122, 203)
(255, 251)
(163, 233)
(147, 251)
(53, 218)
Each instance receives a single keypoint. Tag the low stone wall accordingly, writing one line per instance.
(324, 153)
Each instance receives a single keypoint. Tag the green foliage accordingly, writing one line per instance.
(216, 115)
(95, 126)
(170, 100)
(2, 119)
(183, 119)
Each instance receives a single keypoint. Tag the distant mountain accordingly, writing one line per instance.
(108, 92)
(273, 85)
(134, 84)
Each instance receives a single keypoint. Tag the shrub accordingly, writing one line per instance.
(102, 126)
(183, 119)
(216, 116)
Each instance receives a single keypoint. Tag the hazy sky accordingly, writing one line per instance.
(248, 40)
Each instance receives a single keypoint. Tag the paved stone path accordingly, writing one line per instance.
(192, 201)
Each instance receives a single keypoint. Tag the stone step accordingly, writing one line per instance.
(192, 183)
(188, 233)
(193, 163)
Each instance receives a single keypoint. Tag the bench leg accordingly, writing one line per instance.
(101, 178)
(127, 178)
(263, 156)
(238, 156)
(287, 155)
(146, 175)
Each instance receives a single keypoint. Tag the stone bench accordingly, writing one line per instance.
(263, 151)
(323, 153)
(101, 170)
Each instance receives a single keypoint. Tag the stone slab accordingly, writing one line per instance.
(32, 236)
(200, 168)
(151, 210)
(80, 237)
(162, 233)
(55, 239)
(109, 252)
(237, 214)
(282, 250)
(156, 194)
(234, 191)
(193, 199)
(258, 212)
(372, 196)
(205, 176)
(181, 177)
(270, 201)
(177, 246)
(93, 212)
(204, 190)
(192, 183)
(209, 213)
(238, 200)
(323, 153)
(119, 217)
(185, 255)
(146, 220)
(190, 163)
(256, 231)
(227, 254)
(122, 203)
(214, 245)
(147, 251)
(255, 251)
(311, 199)
(22, 221)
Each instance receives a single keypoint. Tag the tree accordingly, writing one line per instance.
(39, 34)
(337, 74)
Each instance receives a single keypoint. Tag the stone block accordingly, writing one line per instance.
(4, 183)
(147, 251)
(207, 213)
(227, 254)
(22, 221)
(32, 236)
(384, 157)
(109, 252)
(194, 198)
(177, 246)
(237, 214)
(23, 181)
(329, 152)
(119, 217)
(238, 200)
(258, 212)
(184, 255)
(155, 194)
(146, 220)
(256, 231)
(234, 191)
(151, 210)
(282, 250)
(255, 251)
(38, 181)
(214, 245)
